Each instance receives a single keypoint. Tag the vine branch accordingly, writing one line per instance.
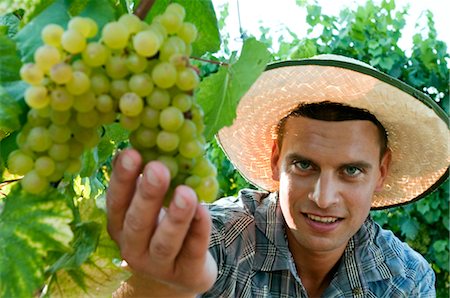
(143, 8)
(209, 61)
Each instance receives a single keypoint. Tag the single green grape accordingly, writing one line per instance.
(115, 35)
(85, 102)
(104, 103)
(81, 25)
(141, 84)
(182, 101)
(116, 67)
(39, 139)
(187, 79)
(61, 99)
(59, 151)
(51, 34)
(191, 148)
(167, 141)
(61, 73)
(100, 83)
(31, 73)
(119, 88)
(44, 166)
(59, 133)
(37, 97)
(158, 99)
(131, 104)
(73, 41)
(146, 43)
(150, 117)
(79, 84)
(95, 54)
(188, 32)
(164, 75)
(34, 183)
(131, 22)
(19, 162)
(136, 63)
(171, 119)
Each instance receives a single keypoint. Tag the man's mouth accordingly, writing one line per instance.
(322, 219)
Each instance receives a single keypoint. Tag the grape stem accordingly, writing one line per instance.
(209, 61)
(143, 8)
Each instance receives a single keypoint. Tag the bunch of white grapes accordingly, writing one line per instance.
(136, 73)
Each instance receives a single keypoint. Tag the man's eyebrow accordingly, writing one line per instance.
(296, 156)
(357, 163)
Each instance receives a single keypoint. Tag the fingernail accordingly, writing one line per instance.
(152, 179)
(179, 201)
(128, 163)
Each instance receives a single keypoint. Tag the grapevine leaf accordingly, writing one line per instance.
(220, 93)
(7, 145)
(11, 22)
(9, 60)
(10, 111)
(410, 228)
(113, 135)
(202, 14)
(89, 163)
(85, 242)
(30, 227)
(29, 39)
(98, 276)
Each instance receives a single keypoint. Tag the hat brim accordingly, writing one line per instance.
(417, 127)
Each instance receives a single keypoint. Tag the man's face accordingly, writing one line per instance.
(328, 173)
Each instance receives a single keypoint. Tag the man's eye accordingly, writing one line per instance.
(303, 165)
(352, 171)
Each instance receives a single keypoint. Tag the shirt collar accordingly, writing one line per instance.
(271, 251)
(377, 260)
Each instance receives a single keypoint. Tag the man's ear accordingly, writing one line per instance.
(385, 165)
(274, 161)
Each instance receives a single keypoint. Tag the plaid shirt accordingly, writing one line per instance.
(249, 244)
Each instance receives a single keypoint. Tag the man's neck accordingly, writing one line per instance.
(316, 269)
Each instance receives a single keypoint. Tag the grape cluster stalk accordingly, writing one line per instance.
(138, 74)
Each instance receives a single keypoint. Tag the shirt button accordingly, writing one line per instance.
(357, 291)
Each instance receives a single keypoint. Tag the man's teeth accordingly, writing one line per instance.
(325, 219)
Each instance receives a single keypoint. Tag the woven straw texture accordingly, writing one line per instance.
(418, 137)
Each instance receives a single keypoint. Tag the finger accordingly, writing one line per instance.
(143, 212)
(121, 188)
(172, 230)
(199, 234)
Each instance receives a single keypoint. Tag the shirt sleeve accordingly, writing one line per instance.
(426, 281)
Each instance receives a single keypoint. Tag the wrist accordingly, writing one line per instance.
(139, 286)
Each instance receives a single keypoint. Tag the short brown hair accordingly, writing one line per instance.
(333, 111)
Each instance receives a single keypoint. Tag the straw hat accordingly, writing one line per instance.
(417, 128)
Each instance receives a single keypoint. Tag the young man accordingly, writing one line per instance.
(328, 139)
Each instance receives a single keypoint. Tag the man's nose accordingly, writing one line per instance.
(325, 192)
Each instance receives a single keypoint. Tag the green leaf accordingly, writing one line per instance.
(99, 275)
(9, 60)
(113, 135)
(29, 39)
(10, 111)
(11, 22)
(220, 93)
(89, 163)
(202, 14)
(30, 227)
(410, 228)
(85, 242)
